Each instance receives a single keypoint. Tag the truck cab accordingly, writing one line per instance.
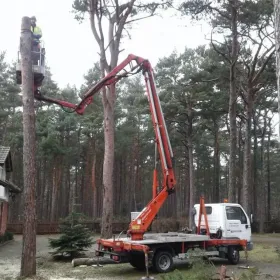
(225, 221)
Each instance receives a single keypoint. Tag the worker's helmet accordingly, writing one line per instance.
(33, 17)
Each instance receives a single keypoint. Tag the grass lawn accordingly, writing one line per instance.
(199, 271)
(274, 235)
(266, 253)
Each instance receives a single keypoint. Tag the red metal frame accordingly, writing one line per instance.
(137, 227)
(202, 211)
(115, 246)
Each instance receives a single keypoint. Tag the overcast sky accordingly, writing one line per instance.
(70, 47)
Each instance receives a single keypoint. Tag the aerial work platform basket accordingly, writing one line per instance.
(38, 65)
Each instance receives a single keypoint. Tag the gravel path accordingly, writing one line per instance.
(10, 255)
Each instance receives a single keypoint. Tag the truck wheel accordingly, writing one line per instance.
(163, 262)
(233, 255)
(137, 261)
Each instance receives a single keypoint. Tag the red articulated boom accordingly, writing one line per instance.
(153, 250)
(140, 225)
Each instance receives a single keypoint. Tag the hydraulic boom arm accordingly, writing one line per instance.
(140, 225)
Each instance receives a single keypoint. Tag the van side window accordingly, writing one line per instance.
(208, 210)
(236, 213)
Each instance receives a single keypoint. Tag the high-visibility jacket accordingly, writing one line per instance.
(37, 33)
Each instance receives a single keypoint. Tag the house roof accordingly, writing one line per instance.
(5, 157)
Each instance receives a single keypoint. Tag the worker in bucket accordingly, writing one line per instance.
(36, 36)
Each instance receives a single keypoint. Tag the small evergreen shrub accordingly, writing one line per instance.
(6, 237)
(75, 237)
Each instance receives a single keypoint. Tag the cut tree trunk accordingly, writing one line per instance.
(28, 259)
(108, 166)
(91, 261)
(83, 261)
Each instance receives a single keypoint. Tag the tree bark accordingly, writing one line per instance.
(247, 166)
(186, 207)
(268, 174)
(108, 165)
(277, 43)
(261, 205)
(255, 193)
(28, 259)
(191, 171)
(232, 104)
(216, 190)
(239, 169)
(57, 173)
(83, 261)
(93, 184)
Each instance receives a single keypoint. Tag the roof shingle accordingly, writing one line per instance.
(5, 155)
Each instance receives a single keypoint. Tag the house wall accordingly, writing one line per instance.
(3, 217)
(3, 202)
(3, 191)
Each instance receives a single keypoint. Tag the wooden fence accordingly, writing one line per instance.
(52, 228)
(161, 225)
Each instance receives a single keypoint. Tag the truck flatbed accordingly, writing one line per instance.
(156, 247)
(169, 237)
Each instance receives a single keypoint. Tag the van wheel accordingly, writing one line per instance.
(233, 255)
(163, 262)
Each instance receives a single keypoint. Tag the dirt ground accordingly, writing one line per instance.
(10, 255)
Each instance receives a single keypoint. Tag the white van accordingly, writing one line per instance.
(226, 221)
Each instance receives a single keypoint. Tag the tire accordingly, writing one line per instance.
(163, 262)
(137, 261)
(233, 255)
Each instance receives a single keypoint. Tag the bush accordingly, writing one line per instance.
(6, 237)
(75, 237)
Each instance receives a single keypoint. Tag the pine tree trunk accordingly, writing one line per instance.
(239, 169)
(216, 192)
(187, 183)
(191, 167)
(56, 184)
(247, 166)
(232, 103)
(28, 259)
(54, 193)
(108, 166)
(277, 48)
(93, 184)
(261, 205)
(255, 193)
(43, 184)
(268, 175)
